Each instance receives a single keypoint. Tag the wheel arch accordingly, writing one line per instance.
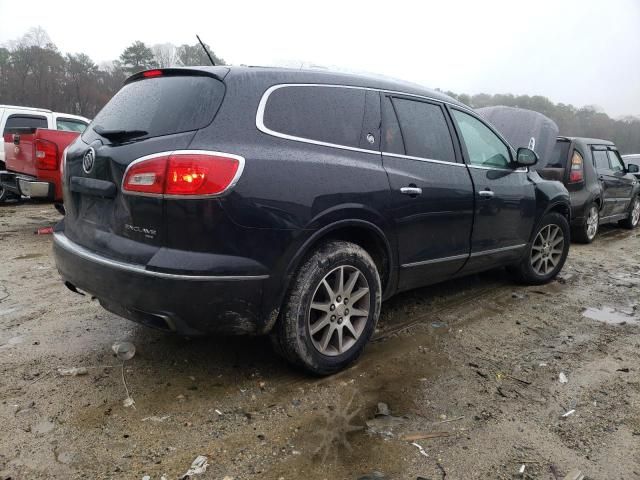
(364, 233)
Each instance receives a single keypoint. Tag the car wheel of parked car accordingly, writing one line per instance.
(587, 232)
(634, 214)
(331, 310)
(3, 194)
(547, 252)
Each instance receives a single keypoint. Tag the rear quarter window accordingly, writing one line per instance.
(325, 114)
(70, 125)
(162, 105)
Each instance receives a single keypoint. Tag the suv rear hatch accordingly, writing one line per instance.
(155, 113)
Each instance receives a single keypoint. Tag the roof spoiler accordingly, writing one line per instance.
(180, 72)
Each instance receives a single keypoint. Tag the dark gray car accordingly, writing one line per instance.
(603, 189)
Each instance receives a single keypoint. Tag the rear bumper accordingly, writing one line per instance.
(35, 189)
(27, 186)
(185, 304)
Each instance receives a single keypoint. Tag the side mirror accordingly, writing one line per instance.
(526, 157)
(632, 168)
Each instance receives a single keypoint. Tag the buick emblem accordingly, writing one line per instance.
(88, 160)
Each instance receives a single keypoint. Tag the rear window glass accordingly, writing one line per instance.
(163, 105)
(424, 130)
(560, 154)
(69, 125)
(25, 121)
(326, 114)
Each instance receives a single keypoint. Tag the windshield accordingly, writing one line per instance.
(162, 106)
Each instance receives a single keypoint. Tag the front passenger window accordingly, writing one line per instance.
(614, 160)
(484, 147)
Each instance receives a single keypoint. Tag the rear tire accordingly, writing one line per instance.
(633, 218)
(589, 228)
(331, 309)
(547, 253)
(4, 194)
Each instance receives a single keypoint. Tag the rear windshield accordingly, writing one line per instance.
(162, 106)
(560, 155)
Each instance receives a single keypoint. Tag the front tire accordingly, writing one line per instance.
(331, 310)
(548, 251)
(634, 214)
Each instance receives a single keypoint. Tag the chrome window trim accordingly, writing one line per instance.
(482, 167)
(233, 183)
(264, 129)
(63, 242)
(498, 250)
(421, 159)
(435, 260)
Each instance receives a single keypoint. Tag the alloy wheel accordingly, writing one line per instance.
(635, 212)
(339, 310)
(592, 222)
(547, 249)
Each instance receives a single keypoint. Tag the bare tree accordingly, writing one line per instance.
(166, 54)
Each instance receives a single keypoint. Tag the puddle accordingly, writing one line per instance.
(611, 316)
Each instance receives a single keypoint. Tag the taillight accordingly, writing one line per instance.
(576, 174)
(46, 155)
(183, 173)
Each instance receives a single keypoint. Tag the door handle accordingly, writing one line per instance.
(486, 193)
(411, 190)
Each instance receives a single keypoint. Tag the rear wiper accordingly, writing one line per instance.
(119, 134)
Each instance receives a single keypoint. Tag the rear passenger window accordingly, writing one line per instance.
(424, 130)
(325, 114)
(25, 121)
(600, 160)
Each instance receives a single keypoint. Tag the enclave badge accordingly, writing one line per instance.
(88, 160)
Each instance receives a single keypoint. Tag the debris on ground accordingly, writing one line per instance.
(124, 350)
(156, 419)
(522, 468)
(44, 231)
(383, 410)
(574, 475)
(198, 467)
(562, 378)
(373, 476)
(73, 371)
(420, 448)
(423, 436)
(570, 412)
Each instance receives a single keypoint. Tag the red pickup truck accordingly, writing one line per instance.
(34, 160)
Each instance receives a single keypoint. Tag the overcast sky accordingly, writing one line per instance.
(581, 52)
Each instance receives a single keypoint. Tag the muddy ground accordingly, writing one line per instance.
(475, 364)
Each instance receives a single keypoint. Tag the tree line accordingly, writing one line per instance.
(588, 121)
(33, 72)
